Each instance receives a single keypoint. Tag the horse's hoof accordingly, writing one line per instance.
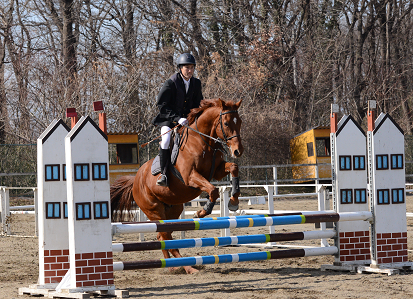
(232, 208)
(177, 270)
(199, 214)
(192, 271)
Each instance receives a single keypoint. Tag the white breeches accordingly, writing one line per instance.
(166, 138)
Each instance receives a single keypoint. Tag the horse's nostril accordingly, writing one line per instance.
(236, 153)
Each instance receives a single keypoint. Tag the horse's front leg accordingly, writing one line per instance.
(223, 170)
(196, 180)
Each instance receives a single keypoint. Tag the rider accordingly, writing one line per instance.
(178, 96)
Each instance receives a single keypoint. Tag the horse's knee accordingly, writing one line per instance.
(233, 169)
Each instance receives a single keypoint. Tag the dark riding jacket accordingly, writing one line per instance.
(174, 102)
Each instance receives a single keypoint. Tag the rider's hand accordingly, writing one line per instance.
(183, 121)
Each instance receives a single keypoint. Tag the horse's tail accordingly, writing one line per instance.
(121, 197)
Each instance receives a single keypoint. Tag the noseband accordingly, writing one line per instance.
(222, 127)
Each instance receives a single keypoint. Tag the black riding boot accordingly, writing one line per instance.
(164, 156)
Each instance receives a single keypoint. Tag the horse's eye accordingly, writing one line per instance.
(226, 124)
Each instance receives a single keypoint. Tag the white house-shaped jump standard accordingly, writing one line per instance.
(351, 190)
(388, 192)
(51, 182)
(88, 193)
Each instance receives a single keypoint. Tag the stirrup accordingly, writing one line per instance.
(162, 180)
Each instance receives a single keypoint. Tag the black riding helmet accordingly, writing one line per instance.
(185, 58)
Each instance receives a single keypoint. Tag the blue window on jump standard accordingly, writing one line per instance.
(397, 195)
(345, 162)
(52, 172)
(100, 171)
(396, 161)
(383, 196)
(101, 209)
(382, 162)
(81, 172)
(65, 211)
(83, 211)
(64, 172)
(346, 196)
(359, 162)
(52, 210)
(360, 196)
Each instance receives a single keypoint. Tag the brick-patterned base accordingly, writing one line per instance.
(392, 247)
(94, 269)
(56, 264)
(354, 246)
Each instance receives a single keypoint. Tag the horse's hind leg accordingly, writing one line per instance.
(175, 252)
(173, 212)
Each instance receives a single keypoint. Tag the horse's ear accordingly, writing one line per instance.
(238, 104)
(221, 103)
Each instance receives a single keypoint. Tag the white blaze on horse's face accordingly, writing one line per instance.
(234, 141)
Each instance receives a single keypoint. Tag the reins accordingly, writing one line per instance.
(219, 140)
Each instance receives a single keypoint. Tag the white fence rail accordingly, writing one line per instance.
(272, 185)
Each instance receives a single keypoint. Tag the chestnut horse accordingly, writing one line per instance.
(201, 157)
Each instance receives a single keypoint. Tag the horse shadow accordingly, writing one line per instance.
(194, 290)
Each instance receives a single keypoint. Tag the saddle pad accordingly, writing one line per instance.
(156, 169)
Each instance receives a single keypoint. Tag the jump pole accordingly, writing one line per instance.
(224, 258)
(221, 241)
(119, 228)
(221, 218)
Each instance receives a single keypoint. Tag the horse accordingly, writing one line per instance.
(201, 157)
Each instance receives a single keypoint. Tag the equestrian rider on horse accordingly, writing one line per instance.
(178, 96)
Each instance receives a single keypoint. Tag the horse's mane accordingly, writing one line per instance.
(207, 103)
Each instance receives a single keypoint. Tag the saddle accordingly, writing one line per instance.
(156, 164)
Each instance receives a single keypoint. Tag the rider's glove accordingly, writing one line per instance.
(182, 121)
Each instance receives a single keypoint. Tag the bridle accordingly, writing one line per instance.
(222, 128)
(217, 140)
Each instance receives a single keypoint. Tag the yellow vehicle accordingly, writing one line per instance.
(123, 154)
(311, 147)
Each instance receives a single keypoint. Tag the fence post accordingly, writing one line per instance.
(275, 176)
(2, 211)
(270, 192)
(36, 207)
(142, 217)
(316, 177)
(183, 217)
(321, 194)
(5, 211)
(223, 206)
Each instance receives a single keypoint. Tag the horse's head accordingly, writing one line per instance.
(228, 127)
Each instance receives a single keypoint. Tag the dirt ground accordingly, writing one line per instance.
(288, 278)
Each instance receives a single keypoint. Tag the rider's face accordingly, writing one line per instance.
(187, 71)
